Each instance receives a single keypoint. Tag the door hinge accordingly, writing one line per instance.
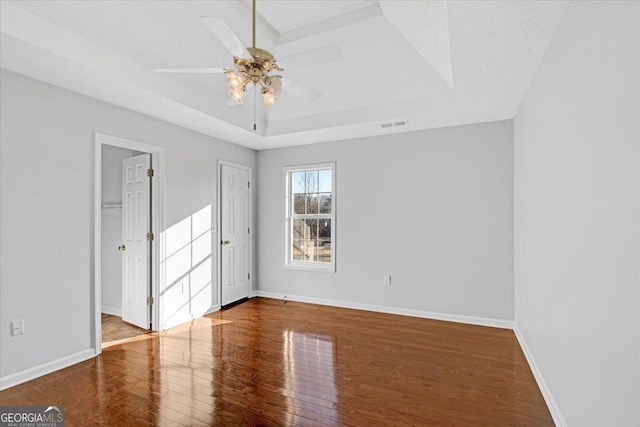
(248, 184)
(248, 229)
(150, 300)
(150, 237)
(149, 172)
(249, 276)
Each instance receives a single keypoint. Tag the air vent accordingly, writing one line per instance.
(394, 124)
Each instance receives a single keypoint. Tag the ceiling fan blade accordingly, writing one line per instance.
(190, 70)
(299, 90)
(227, 37)
(319, 55)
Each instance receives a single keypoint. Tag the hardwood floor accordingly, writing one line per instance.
(115, 329)
(273, 363)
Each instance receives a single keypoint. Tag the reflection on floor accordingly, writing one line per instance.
(274, 363)
(115, 329)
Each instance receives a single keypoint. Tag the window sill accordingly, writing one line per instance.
(321, 268)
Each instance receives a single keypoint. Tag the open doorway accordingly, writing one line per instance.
(114, 250)
(128, 200)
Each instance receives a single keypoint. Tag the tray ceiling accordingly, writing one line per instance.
(432, 64)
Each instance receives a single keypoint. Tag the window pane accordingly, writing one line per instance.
(300, 230)
(312, 182)
(323, 251)
(312, 204)
(325, 182)
(298, 182)
(299, 203)
(297, 251)
(324, 229)
(311, 229)
(304, 251)
(310, 250)
(324, 204)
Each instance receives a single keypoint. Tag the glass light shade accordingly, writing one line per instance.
(237, 94)
(236, 80)
(268, 98)
(273, 84)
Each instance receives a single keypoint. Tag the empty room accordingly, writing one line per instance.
(319, 213)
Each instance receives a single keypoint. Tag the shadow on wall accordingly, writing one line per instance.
(188, 291)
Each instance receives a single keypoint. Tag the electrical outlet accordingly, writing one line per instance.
(17, 327)
(386, 280)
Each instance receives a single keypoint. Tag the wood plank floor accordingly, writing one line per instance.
(115, 329)
(273, 363)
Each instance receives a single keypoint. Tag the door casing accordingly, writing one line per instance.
(157, 225)
(219, 228)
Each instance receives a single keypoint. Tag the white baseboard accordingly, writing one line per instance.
(112, 311)
(542, 385)
(253, 294)
(213, 309)
(481, 321)
(45, 368)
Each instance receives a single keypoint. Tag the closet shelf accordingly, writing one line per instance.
(111, 206)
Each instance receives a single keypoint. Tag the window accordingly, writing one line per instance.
(310, 217)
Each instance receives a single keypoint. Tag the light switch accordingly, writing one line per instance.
(17, 327)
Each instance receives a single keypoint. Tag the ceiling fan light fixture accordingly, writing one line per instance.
(273, 84)
(254, 70)
(236, 80)
(253, 65)
(268, 98)
(237, 94)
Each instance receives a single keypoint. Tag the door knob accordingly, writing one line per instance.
(122, 248)
(226, 242)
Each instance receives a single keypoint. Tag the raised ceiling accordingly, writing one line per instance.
(430, 63)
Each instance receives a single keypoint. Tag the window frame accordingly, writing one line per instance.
(289, 263)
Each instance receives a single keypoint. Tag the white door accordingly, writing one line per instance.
(234, 234)
(136, 220)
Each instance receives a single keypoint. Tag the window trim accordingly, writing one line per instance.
(288, 263)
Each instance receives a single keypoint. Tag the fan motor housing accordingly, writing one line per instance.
(261, 63)
(260, 53)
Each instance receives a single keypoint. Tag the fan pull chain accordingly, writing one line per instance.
(255, 90)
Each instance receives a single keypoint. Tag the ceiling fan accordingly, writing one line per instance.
(257, 66)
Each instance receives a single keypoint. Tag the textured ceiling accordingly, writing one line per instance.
(431, 63)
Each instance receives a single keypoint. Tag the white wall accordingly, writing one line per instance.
(433, 209)
(577, 215)
(111, 279)
(46, 155)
